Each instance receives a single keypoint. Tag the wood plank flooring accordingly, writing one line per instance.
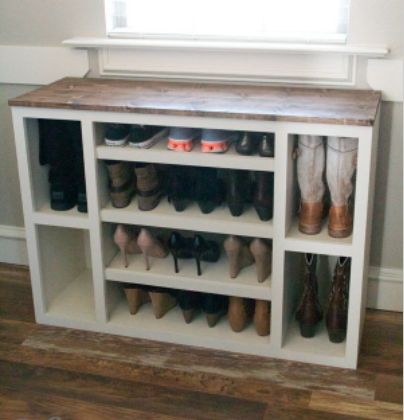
(50, 372)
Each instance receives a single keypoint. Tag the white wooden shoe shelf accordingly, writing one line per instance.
(75, 270)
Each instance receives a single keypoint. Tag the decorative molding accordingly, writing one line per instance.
(234, 66)
(387, 76)
(385, 290)
(13, 247)
(41, 65)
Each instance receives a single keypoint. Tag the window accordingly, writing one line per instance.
(252, 20)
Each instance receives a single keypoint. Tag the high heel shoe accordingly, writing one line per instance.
(125, 238)
(207, 251)
(238, 253)
(262, 253)
(214, 307)
(240, 312)
(180, 247)
(190, 303)
(163, 300)
(264, 195)
(262, 317)
(209, 189)
(180, 187)
(237, 191)
(136, 296)
(150, 247)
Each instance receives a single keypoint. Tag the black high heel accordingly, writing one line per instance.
(209, 189)
(180, 187)
(207, 251)
(180, 247)
(190, 303)
(214, 307)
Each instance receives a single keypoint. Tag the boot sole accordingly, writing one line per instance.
(307, 330)
(337, 336)
(339, 234)
(310, 230)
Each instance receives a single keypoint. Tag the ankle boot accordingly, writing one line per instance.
(163, 300)
(180, 247)
(341, 165)
(190, 303)
(266, 147)
(262, 253)
(208, 189)
(337, 313)
(148, 186)
(151, 247)
(180, 186)
(238, 253)
(309, 312)
(125, 238)
(264, 195)
(136, 296)
(122, 183)
(310, 170)
(208, 251)
(262, 317)
(237, 191)
(240, 312)
(214, 307)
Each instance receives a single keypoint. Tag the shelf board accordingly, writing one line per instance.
(173, 329)
(71, 218)
(74, 307)
(165, 216)
(160, 154)
(317, 244)
(215, 276)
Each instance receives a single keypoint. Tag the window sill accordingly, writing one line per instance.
(231, 46)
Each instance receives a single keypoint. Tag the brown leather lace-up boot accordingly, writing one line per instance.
(341, 222)
(337, 313)
(309, 312)
(122, 183)
(310, 216)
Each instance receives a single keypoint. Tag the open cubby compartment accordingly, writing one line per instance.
(165, 215)
(40, 187)
(67, 279)
(160, 154)
(293, 343)
(173, 329)
(215, 277)
(296, 240)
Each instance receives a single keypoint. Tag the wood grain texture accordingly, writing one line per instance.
(389, 388)
(312, 105)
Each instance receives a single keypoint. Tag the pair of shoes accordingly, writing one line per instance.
(241, 255)
(162, 300)
(251, 143)
(242, 310)
(197, 247)
(212, 141)
(186, 184)
(309, 312)
(126, 181)
(126, 238)
(239, 188)
(138, 136)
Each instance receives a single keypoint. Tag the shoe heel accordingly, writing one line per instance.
(236, 210)
(175, 258)
(162, 303)
(136, 298)
(263, 266)
(146, 252)
(337, 336)
(307, 330)
(122, 247)
(188, 315)
(233, 257)
(179, 204)
(206, 206)
(265, 214)
(198, 264)
(213, 319)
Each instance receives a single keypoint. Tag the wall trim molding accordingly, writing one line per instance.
(385, 289)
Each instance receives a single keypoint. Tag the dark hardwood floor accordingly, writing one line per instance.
(50, 372)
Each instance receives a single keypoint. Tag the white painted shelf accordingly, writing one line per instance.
(71, 218)
(172, 328)
(165, 216)
(160, 154)
(215, 277)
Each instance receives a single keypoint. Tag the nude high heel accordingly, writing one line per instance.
(262, 317)
(162, 301)
(263, 258)
(151, 246)
(238, 253)
(240, 312)
(136, 297)
(125, 238)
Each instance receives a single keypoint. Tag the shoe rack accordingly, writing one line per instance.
(76, 270)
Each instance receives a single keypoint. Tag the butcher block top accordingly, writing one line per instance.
(309, 105)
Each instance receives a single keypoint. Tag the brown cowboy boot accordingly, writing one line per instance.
(340, 223)
(122, 183)
(309, 312)
(148, 186)
(337, 313)
(310, 217)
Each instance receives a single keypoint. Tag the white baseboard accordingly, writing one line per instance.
(385, 284)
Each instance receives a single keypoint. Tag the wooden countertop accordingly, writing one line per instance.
(311, 105)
